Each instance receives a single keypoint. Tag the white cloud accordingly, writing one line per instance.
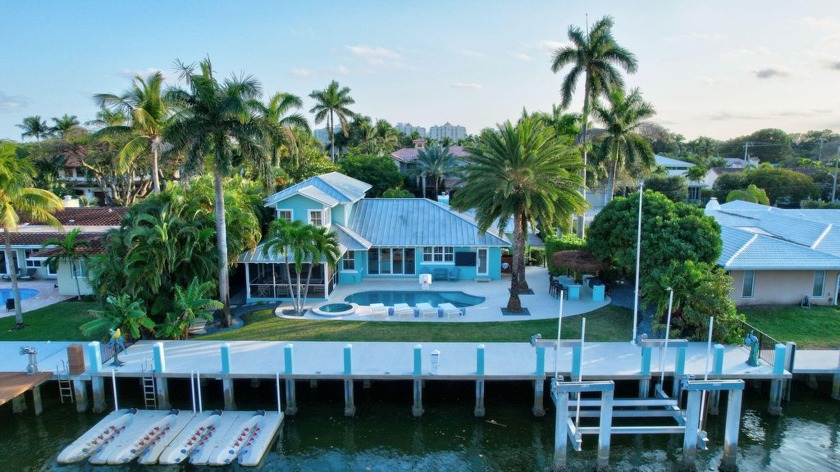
(522, 57)
(466, 86)
(473, 54)
(303, 73)
(825, 23)
(12, 102)
(772, 72)
(343, 70)
(745, 52)
(377, 55)
(548, 45)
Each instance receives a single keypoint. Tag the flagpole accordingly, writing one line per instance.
(638, 258)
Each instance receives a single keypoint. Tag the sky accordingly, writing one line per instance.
(715, 68)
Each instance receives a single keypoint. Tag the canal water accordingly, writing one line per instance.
(385, 437)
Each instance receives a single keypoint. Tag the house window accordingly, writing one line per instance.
(316, 218)
(438, 254)
(81, 269)
(819, 283)
(749, 284)
(52, 268)
(31, 263)
(285, 215)
(348, 262)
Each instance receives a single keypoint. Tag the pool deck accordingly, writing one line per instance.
(540, 305)
(47, 295)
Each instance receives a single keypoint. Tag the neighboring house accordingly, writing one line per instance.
(779, 256)
(378, 237)
(29, 253)
(738, 163)
(405, 159)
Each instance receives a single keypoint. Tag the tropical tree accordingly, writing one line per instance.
(623, 144)
(704, 146)
(280, 121)
(379, 171)
(190, 304)
(34, 127)
(298, 243)
(211, 118)
(108, 117)
(122, 313)
(697, 173)
(17, 199)
(523, 173)
(565, 125)
(70, 249)
(593, 55)
(64, 124)
(436, 162)
(751, 194)
(149, 112)
(330, 103)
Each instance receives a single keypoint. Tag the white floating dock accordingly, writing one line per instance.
(174, 437)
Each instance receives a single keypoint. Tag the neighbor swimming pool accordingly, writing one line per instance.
(459, 299)
(6, 293)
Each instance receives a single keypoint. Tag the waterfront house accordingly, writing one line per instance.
(406, 161)
(378, 237)
(779, 256)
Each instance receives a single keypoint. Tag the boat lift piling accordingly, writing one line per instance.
(227, 381)
(291, 398)
(161, 383)
(349, 402)
(97, 382)
(479, 383)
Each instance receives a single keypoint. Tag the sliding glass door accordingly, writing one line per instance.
(391, 261)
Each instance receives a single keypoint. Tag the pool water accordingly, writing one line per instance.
(6, 293)
(459, 299)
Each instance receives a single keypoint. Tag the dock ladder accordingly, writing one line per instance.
(149, 385)
(65, 388)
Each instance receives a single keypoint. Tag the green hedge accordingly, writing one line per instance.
(567, 242)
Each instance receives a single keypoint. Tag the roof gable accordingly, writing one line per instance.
(338, 187)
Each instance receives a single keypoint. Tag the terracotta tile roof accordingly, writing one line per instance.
(410, 154)
(96, 245)
(89, 216)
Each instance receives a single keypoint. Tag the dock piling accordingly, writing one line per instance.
(561, 418)
(730, 435)
(227, 382)
(835, 385)
(417, 406)
(604, 429)
(291, 400)
(349, 403)
(539, 388)
(81, 394)
(161, 383)
(644, 384)
(692, 426)
(479, 399)
(679, 372)
(19, 403)
(777, 386)
(36, 400)
(717, 369)
(97, 383)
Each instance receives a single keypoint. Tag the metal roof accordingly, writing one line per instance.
(670, 162)
(767, 253)
(341, 188)
(349, 239)
(417, 222)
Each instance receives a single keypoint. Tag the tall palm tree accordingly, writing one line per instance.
(300, 244)
(704, 146)
(595, 56)
(34, 127)
(565, 125)
(108, 117)
(17, 198)
(623, 144)
(149, 111)
(330, 103)
(70, 249)
(279, 122)
(211, 118)
(64, 124)
(526, 173)
(697, 173)
(436, 162)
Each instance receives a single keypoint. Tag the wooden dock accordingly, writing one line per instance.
(14, 384)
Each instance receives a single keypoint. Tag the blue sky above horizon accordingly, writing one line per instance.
(721, 69)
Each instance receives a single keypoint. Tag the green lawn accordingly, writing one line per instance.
(607, 324)
(817, 327)
(58, 322)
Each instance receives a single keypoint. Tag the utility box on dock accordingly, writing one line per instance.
(76, 359)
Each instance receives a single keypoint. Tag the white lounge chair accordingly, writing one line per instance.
(379, 310)
(427, 310)
(450, 310)
(403, 310)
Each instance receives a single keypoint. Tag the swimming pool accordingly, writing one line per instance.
(459, 299)
(6, 293)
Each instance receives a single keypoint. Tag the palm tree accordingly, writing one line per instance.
(565, 125)
(149, 112)
(697, 173)
(108, 117)
(64, 124)
(34, 127)
(298, 244)
(211, 116)
(71, 250)
(623, 144)
(436, 162)
(17, 198)
(523, 172)
(190, 304)
(594, 55)
(280, 123)
(330, 103)
(704, 146)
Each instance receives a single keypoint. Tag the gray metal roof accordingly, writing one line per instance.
(341, 188)
(349, 240)
(761, 252)
(417, 222)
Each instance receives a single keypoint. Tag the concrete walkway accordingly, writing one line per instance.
(540, 305)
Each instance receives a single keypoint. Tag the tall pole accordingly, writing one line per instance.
(638, 258)
(667, 337)
(834, 188)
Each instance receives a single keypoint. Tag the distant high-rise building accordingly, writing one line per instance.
(407, 129)
(322, 135)
(447, 130)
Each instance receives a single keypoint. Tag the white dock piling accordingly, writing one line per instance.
(417, 388)
(479, 383)
(97, 382)
(227, 382)
(604, 429)
(777, 386)
(835, 384)
(161, 383)
(730, 435)
(539, 384)
(692, 426)
(717, 369)
(561, 418)
(81, 394)
(349, 401)
(644, 384)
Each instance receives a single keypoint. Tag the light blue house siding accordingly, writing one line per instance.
(362, 269)
(299, 206)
